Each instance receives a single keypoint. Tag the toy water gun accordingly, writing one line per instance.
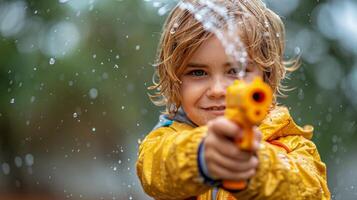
(247, 104)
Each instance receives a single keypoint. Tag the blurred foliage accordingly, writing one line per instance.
(82, 117)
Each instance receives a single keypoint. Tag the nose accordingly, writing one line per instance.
(217, 88)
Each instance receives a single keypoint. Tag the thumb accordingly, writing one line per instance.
(257, 138)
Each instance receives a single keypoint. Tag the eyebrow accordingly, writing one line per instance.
(199, 65)
(196, 65)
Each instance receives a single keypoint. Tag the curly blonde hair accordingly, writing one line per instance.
(262, 32)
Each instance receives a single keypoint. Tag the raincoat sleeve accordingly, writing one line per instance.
(290, 168)
(167, 163)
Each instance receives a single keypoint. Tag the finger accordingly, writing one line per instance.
(227, 148)
(243, 176)
(232, 164)
(224, 174)
(258, 134)
(224, 127)
(222, 161)
(224, 146)
(234, 153)
(257, 139)
(252, 163)
(256, 146)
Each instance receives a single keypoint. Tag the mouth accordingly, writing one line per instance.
(217, 110)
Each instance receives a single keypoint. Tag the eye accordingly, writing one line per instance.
(235, 71)
(197, 72)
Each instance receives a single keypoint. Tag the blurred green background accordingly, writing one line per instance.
(74, 105)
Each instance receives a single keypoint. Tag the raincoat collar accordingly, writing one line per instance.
(181, 117)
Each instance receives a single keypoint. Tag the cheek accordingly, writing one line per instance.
(191, 93)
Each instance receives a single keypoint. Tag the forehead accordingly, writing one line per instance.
(212, 50)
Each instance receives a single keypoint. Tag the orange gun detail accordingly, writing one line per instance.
(247, 104)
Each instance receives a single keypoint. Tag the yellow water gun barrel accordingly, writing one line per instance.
(247, 104)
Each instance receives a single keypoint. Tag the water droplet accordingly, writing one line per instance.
(93, 129)
(63, 1)
(117, 56)
(6, 168)
(18, 161)
(93, 93)
(266, 24)
(52, 61)
(29, 159)
(105, 75)
(156, 4)
(122, 107)
(33, 98)
(137, 47)
(301, 94)
(94, 56)
(119, 161)
(12, 100)
(75, 115)
(115, 168)
(241, 74)
(174, 28)
(116, 66)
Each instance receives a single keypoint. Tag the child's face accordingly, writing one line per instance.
(205, 80)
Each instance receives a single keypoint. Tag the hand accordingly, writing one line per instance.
(224, 160)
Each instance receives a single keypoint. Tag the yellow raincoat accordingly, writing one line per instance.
(289, 163)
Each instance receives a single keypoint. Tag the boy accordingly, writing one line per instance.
(190, 152)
